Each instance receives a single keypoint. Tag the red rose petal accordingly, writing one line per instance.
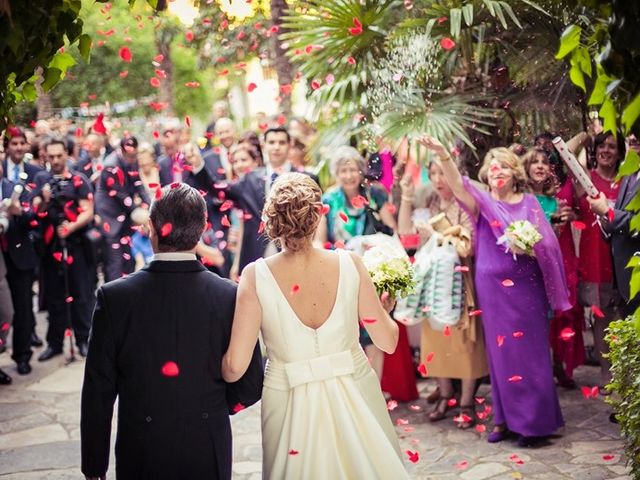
(518, 334)
(238, 407)
(369, 320)
(475, 313)
(343, 216)
(166, 229)
(170, 369)
(293, 452)
(339, 244)
(481, 428)
(261, 227)
(225, 222)
(189, 36)
(447, 44)
(392, 405)
(507, 283)
(251, 87)
(67, 332)
(596, 311)
(68, 299)
(125, 54)
(608, 457)
(567, 334)
(452, 402)
(325, 209)
(422, 369)
(155, 82)
(295, 289)
(514, 378)
(461, 268)
(611, 214)
(446, 331)
(462, 465)
(414, 457)
(429, 357)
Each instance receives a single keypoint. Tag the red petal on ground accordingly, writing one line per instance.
(125, 54)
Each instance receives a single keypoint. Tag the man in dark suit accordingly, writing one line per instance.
(157, 342)
(118, 193)
(250, 192)
(67, 200)
(17, 247)
(616, 224)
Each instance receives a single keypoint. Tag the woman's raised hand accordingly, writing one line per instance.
(433, 144)
(407, 186)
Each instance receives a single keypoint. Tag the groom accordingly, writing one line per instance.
(157, 342)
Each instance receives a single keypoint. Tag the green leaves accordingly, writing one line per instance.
(609, 115)
(569, 41)
(631, 113)
(630, 165)
(84, 46)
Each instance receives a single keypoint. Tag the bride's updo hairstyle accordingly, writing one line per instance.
(292, 210)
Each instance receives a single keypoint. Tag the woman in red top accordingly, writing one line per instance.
(596, 266)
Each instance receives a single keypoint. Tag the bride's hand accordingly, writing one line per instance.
(388, 302)
(434, 145)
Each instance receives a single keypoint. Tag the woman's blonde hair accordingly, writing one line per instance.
(509, 159)
(292, 210)
(346, 154)
(550, 185)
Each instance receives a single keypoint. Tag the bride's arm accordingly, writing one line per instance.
(245, 329)
(380, 326)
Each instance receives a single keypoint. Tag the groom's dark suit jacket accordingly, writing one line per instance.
(624, 243)
(169, 427)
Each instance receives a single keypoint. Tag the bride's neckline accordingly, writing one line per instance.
(284, 298)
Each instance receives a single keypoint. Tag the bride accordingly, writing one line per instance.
(323, 413)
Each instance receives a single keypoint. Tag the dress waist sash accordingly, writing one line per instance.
(284, 376)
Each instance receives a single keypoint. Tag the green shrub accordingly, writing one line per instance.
(624, 344)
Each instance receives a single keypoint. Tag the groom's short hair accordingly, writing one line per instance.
(179, 217)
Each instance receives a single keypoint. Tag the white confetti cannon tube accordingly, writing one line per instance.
(576, 169)
(15, 196)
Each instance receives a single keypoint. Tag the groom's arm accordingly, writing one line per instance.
(98, 393)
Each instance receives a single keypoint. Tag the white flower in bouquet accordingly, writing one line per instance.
(390, 270)
(520, 237)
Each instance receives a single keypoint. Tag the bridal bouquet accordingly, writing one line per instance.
(520, 237)
(390, 270)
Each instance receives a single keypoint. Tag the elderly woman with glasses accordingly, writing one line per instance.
(355, 207)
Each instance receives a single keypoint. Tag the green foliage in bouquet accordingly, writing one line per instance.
(624, 354)
(390, 273)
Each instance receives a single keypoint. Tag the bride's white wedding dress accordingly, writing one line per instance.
(323, 413)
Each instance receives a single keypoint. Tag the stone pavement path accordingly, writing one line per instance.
(40, 413)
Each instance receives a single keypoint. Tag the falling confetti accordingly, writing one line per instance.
(597, 312)
(295, 289)
(422, 369)
(507, 283)
(165, 230)
(125, 54)
(514, 378)
(170, 369)
(238, 407)
(567, 334)
(447, 44)
(413, 457)
(293, 452)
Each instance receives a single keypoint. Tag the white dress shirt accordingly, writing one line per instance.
(173, 256)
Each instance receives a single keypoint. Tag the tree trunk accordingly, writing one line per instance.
(165, 91)
(282, 65)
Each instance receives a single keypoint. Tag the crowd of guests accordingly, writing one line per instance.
(74, 214)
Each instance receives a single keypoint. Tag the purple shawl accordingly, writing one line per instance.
(547, 250)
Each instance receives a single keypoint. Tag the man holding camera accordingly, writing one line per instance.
(64, 204)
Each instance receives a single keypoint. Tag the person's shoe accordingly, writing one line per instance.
(434, 396)
(498, 434)
(35, 340)
(49, 353)
(83, 349)
(24, 368)
(439, 412)
(4, 378)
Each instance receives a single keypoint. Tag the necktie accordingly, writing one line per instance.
(274, 175)
(16, 173)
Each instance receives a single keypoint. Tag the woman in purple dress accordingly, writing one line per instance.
(515, 292)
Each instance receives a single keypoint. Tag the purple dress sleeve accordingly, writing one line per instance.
(547, 251)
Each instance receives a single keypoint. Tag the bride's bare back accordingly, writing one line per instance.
(309, 282)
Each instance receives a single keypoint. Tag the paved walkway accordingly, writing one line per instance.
(40, 413)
